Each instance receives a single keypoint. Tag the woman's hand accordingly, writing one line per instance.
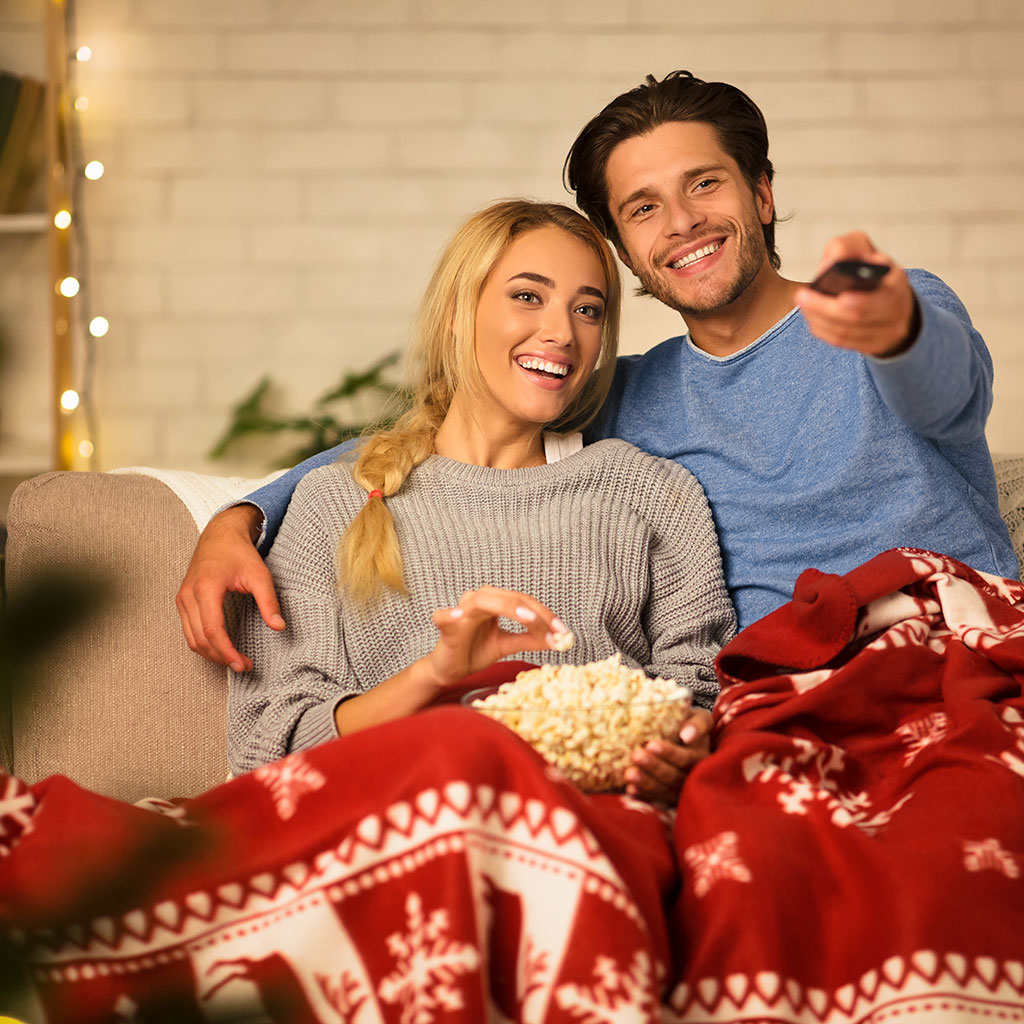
(469, 640)
(470, 637)
(660, 767)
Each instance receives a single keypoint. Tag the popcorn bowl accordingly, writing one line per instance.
(587, 720)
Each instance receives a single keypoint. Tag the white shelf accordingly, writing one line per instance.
(23, 223)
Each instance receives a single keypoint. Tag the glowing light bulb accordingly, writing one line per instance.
(82, 103)
(69, 400)
(85, 449)
(62, 219)
(93, 170)
(98, 326)
(69, 287)
(83, 54)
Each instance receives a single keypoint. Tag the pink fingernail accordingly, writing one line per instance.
(455, 613)
(525, 615)
(558, 626)
(688, 733)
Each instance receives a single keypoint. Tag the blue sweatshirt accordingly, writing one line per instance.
(810, 455)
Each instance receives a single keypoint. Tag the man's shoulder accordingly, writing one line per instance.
(631, 367)
(931, 286)
(642, 383)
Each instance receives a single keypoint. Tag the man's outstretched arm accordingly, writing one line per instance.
(930, 365)
(229, 557)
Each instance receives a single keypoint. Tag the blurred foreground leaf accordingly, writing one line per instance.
(40, 611)
(30, 620)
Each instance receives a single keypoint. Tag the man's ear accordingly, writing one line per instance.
(624, 256)
(765, 199)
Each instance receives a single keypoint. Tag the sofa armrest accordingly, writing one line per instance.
(119, 703)
(1010, 484)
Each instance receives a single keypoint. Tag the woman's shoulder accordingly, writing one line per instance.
(332, 482)
(613, 451)
(654, 487)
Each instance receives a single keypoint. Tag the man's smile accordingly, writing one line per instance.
(688, 259)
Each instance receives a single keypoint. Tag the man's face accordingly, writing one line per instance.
(690, 225)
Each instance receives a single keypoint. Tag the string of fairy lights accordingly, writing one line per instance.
(76, 329)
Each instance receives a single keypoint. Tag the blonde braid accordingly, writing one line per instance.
(370, 556)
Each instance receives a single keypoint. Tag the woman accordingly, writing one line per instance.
(428, 865)
(453, 520)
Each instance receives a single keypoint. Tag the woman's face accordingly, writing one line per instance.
(538, 326)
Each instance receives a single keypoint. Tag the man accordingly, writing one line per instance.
(824, 429)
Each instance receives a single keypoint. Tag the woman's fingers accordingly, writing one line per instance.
(695, 731)
(471, 636)
(660, 767)
(541, 627)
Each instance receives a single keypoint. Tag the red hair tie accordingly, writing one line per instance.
(374, 494)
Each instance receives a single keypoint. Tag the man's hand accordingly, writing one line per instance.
(883, 322)
(225, 559)
(660, 767)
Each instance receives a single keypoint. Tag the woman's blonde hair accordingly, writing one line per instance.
(443, 359)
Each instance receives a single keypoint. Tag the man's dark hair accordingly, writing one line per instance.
(679, 96)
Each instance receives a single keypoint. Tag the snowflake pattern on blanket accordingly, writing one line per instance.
(854, 849)
(851, 852)
(471, 883)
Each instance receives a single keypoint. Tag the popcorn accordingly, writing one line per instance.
(587, 720)
(562, 641)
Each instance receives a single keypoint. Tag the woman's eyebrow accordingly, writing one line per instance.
(586, 289)
(539, 278)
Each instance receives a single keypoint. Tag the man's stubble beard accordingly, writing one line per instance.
(751, 257)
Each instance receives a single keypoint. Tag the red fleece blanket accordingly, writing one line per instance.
(432, 869)
(852, 851)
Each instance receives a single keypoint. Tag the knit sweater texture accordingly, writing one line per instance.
(619, 544)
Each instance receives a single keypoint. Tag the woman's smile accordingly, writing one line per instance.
(538, 330)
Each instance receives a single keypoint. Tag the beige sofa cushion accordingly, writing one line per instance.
(121, 705)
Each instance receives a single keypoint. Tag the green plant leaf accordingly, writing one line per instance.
(353, 383)
(324, 427)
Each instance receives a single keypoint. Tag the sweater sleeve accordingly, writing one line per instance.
(941, 387)
(689, 616)
(287, 702)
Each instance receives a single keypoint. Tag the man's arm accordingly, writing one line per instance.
(272, 499)
(228, 557)
(930, 365)
(941, 386)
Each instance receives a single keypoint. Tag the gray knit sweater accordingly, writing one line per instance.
(618, 543)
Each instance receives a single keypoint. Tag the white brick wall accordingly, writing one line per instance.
(281, 173)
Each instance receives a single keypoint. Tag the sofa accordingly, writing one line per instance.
(118, 702)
